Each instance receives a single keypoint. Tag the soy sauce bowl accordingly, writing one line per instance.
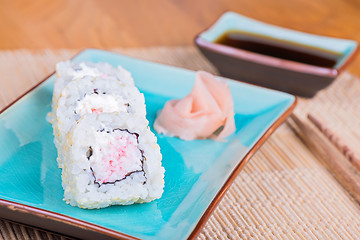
(288, 75)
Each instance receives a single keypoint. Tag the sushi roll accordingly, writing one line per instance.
(68, 71)
(106, 151)
(93, 95)
(111, 159)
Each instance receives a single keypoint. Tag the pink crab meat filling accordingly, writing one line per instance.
(97, 111)
(115, 155)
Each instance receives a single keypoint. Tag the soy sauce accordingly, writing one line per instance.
(279, 48)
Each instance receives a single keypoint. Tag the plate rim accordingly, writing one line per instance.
(64, 219)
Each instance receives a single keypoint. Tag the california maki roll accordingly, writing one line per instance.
(93, 95)
(106, 150)
(111, 159)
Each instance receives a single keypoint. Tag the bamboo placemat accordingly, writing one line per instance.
(284, 192)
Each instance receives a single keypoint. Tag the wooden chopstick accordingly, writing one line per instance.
(344, 172)
(337, 141)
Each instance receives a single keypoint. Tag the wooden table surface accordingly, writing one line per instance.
(39, 24)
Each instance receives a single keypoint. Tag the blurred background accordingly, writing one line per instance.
(74, 24)
(138, 23)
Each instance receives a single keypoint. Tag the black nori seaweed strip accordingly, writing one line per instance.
(143, 158)
(127, 107)
(89, 153)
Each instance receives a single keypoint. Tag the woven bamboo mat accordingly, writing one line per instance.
(284, 192)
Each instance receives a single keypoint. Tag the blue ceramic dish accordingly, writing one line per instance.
(269, 71)
(197, 172)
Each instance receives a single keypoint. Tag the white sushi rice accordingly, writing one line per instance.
(93, 94)
(89, 185)
(95, 103)
(106, 151)
(68, 71)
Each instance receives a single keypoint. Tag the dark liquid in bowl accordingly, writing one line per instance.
(279, 49)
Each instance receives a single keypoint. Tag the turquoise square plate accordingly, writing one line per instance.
(197, 172)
